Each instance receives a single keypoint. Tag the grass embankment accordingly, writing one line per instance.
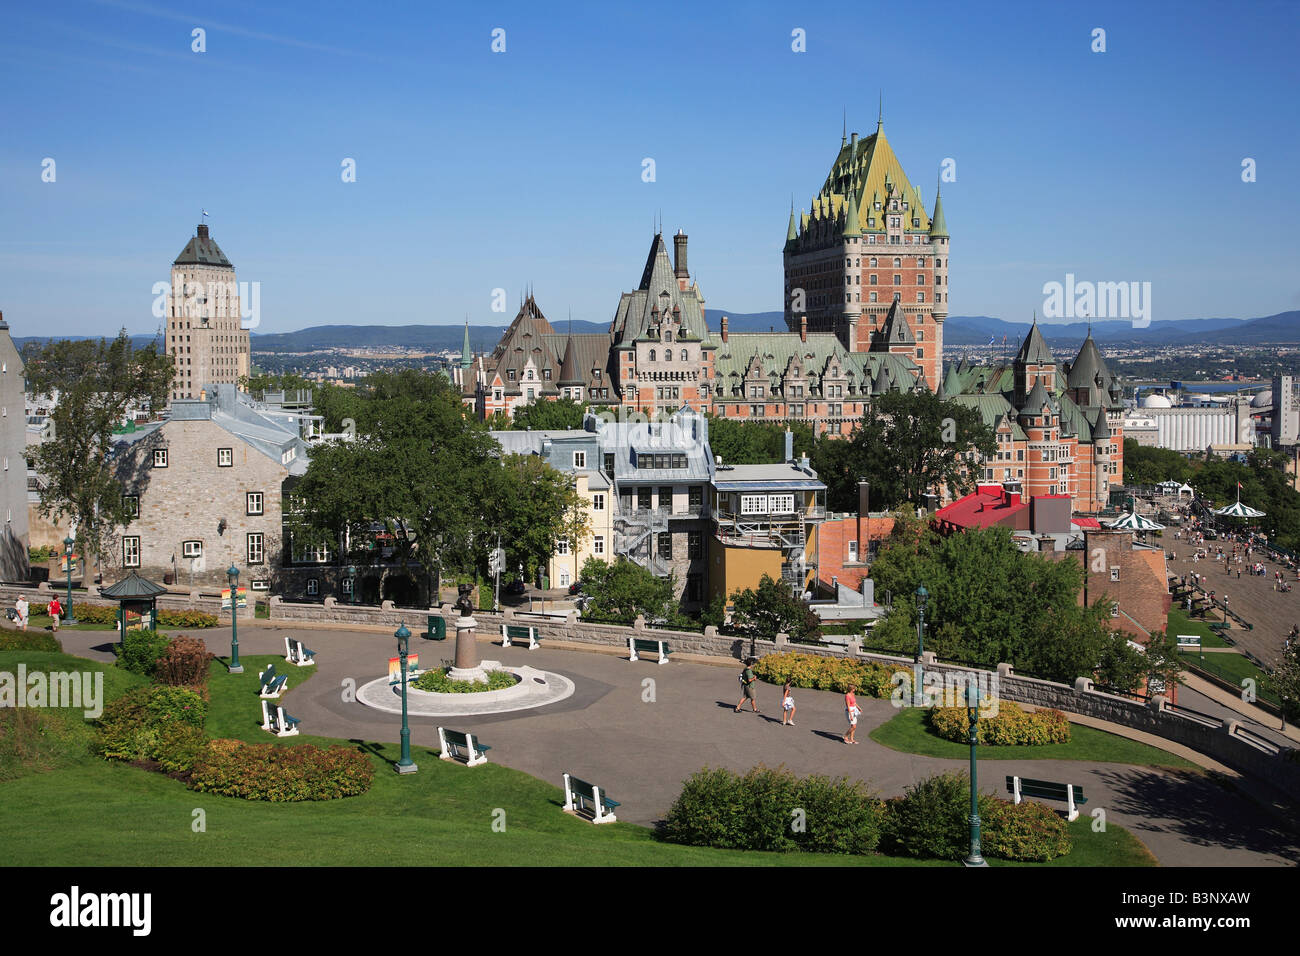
(86, 811)
(908, 732)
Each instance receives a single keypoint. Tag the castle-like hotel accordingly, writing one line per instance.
(866, 296)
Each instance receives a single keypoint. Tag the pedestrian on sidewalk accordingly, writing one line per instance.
(747, 680)
(55, 611)
(787, 705)
(21, 609)
(851, 711)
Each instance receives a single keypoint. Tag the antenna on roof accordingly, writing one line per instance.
(844, 131)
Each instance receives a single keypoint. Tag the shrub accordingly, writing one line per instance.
(1012, 727)
(187, 619)
(1025, 831)
(281, 774)
(179, 746)
(437, 681)
(827, 673)
(140, 650)
(29, 641)
(33, 740)
(757, 811)
(184, 664)
(932, 819)
(140, 724)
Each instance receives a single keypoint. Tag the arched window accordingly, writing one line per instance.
(668, 335)
(652, 355)
(668, 355)
(684, 358)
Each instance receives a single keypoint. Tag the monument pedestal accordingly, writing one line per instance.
(467, 666)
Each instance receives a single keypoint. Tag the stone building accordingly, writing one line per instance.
(206, 486)
(867, 250)
(14, 538)
(205, 336)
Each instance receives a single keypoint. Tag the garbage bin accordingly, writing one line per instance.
(545, 583)
(437, 628)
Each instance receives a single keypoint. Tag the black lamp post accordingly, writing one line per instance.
(403, 635)
(922, 599)
(352, 581)
(232, 574)
(68, 616)
(973, 715)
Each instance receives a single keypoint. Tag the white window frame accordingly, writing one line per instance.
(249, 497)
(598, 545)
(579, 459)
(225, 457)
(753, 504)
(255, 547)
(562, 547)
(313, 587)
(191, 552)
(782, 504)
(131, 551)
(160, 457)
(598, 501)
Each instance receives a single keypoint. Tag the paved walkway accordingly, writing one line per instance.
(641, 729)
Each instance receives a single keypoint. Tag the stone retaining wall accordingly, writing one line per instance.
(173, 601)
(1224, 741)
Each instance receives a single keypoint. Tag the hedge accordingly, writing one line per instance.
(29, 641)
(933, 820)
(1012, 727)
(151, 723)
(233, 768)
(106, 614)
(827, 673)
(437, 681)
(772, 809)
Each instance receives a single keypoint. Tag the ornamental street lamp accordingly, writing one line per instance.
(973, 715)
(352, 581)
(403, 635)
(922, 599)
(232, 574)
(68, 616)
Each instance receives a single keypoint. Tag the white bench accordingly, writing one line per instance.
(272, 684)
(276, 721)
(577, 794)
(519, 632)
(456, 744)
(296, 652)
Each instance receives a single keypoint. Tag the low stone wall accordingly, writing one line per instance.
(1224, 741)
(172, 601)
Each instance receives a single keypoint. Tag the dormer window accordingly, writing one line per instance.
(668, 335)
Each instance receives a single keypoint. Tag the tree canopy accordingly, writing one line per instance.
(772, 608)
(99, 382)
(910, 444)
(619, 591)
(756, 443)
(533, 506)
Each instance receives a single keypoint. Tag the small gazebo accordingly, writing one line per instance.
(136, 597)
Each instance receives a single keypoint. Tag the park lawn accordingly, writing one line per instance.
(907, 732)
(1180, 623)
(43, 622)
(92, 812)
(1234, 668)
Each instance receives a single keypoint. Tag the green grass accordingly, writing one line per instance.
(1180, 623)
(1234, 668)
(92, 812)
(39, 622)
(908, 733)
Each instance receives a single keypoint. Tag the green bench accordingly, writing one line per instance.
(519, 633)
(1068, 793)
(1219, 626)
(638, 645)
(456, 745)
(296, 652)
(276, 721)
(581, 798)
(271, 684)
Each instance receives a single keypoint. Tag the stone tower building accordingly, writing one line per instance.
(204, 335)
(14, 537)
(867, 248)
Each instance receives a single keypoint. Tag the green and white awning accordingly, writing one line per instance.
(1238, 510)
(1132, 521)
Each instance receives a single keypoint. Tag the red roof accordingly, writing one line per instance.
(989, 505)
(1086, 522)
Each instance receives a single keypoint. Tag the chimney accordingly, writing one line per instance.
(724, 328)
(203, 232)
(864, 493)
(679, 255)
(789, 445)
(853, 139)
(803, 328)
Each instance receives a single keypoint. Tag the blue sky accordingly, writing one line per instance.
(479, 170)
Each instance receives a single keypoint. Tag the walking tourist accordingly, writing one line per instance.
(851, 711)
(21, 609)
(747, 680)
(55, 611)
(787, 705)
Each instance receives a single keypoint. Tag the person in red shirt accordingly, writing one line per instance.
(55, 611)
(851, 711)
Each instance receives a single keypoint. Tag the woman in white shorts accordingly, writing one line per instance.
(787, 705)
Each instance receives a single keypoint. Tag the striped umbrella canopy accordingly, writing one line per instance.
(1132, 521)
(1238, 510)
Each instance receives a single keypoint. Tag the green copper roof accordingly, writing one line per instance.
(852, 228)
(792, 233)
(938, 225)
(202, 250)
(1034, 350)
(466, 359)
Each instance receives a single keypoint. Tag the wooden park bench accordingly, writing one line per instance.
(654, 646)
(1070, 794)
(519, 632)
(578, 794)
(456, 745)
(1219, 626)
(296, 652)
(271, 684)
(276, 721)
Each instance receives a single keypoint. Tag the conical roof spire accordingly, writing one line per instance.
(569, 365)
(938, 225)
(851, 225)
(792, 233)
(465, 358)
(1034, 350)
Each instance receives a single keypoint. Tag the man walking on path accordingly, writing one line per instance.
(747, 679)
(55, 611)
(21, 607)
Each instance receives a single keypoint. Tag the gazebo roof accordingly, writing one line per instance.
(133, 587)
